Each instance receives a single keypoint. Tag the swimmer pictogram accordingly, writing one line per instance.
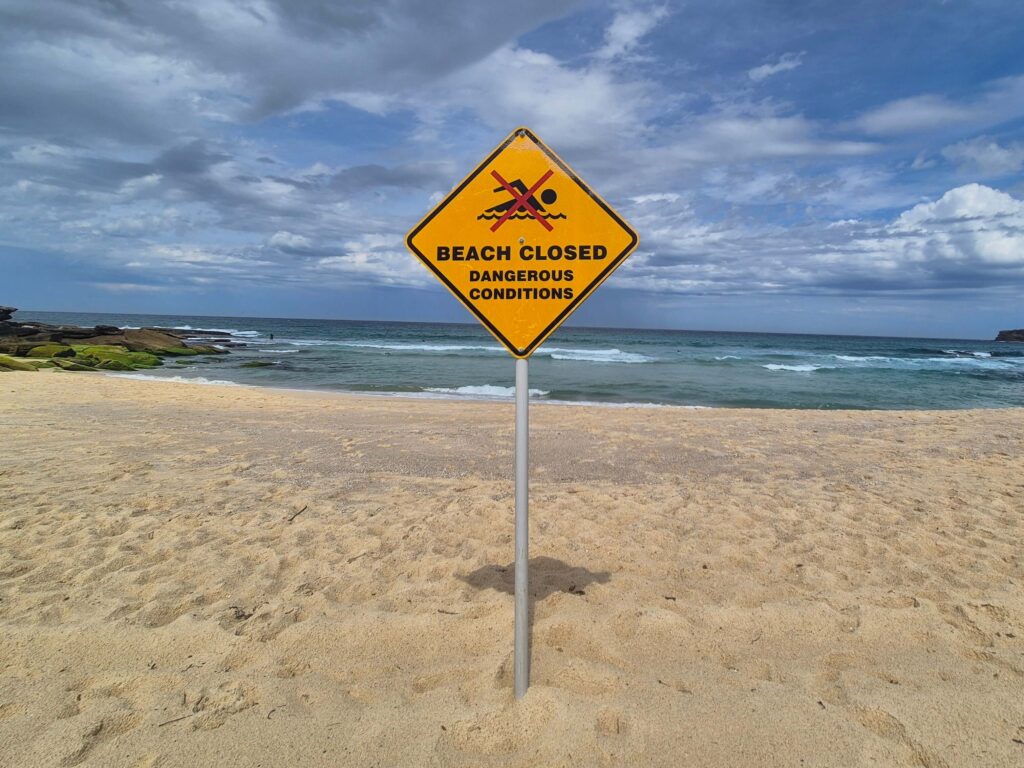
(523, 205)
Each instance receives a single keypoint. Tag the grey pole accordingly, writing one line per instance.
(522, 630)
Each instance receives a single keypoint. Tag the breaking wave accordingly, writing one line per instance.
(803, 368)
(483, 391)
(595, 355)
(176, 379)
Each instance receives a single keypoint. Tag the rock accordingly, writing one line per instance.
(69, 365)
(19, 349)
(1016, 335)
(15, 365)
(114, 365)
(147, 340)
(61, 332)
(51, 350)
(178, 351)
(120, 355)
(258, 364)
(20, 338)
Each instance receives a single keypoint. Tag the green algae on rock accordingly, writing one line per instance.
(113, 352)
(51, 350)
(114, 365)
(70, 365)
(177, 351)
(15, 365)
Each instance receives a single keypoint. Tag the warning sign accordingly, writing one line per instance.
(522, 242)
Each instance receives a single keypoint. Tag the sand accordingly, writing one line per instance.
(224, 576)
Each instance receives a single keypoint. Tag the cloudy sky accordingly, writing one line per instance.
(791, 165)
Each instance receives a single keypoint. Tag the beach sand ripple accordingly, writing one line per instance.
(235, 577)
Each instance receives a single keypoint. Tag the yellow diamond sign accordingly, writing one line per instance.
(522, 242)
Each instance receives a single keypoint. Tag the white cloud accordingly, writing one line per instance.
(970, 237)
(985, 156)
(785, 63)
(1000, 100)
(586, 107)
(131, 287)
(138, 72)
(656, 197)
(914, 114)
(289, 241)
(374, 258)
(627, 29)
(733, 136)
(973, 204)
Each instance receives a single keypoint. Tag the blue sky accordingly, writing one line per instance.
(852, 167)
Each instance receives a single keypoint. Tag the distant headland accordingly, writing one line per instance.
(1017, 335)
(30, 346)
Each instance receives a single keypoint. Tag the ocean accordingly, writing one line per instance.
(597, 365)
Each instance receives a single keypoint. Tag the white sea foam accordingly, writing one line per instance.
(729, 357)
(865, 358)
(555, 353)
(484, 390)
(176, 379)
(981, 360)
(805, 368)
(599, 404)
(965, 352)
(208, 330)
(971, 362)
(442, 394)
(595, 355)
(420, 347)
(297, 342)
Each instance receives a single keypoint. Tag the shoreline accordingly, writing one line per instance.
(428, 396)
(534, 400)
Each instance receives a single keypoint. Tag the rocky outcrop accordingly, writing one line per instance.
(105, 347)
(10, 364)
(1017, 335)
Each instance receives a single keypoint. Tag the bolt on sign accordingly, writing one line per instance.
(522, 242)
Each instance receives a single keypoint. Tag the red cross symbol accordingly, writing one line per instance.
(521, 201)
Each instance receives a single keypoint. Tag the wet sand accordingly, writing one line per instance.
(198, 575)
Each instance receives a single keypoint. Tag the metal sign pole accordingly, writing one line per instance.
(522, 641)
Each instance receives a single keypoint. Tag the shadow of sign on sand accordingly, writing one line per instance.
(547, 576)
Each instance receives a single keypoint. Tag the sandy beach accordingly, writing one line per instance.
(201, 575)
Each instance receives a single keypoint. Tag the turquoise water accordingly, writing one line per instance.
(683, 368)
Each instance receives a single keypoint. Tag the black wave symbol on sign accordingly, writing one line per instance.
(521, 215)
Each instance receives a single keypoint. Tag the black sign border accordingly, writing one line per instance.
(585, 294)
